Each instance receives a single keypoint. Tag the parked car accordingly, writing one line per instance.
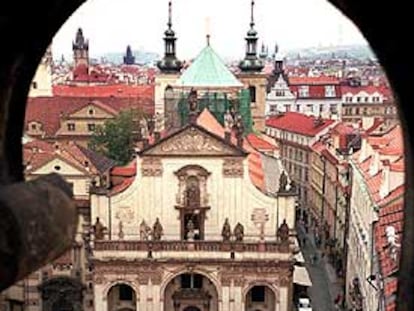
(304, 304)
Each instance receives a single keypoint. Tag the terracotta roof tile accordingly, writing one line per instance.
(50, 110)
(298, 123)
(322, 80)
(107, 90)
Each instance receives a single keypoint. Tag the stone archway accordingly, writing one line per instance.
(121, 297)
(190, 292)
(260, 297)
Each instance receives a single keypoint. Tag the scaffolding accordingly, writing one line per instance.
(218, 103)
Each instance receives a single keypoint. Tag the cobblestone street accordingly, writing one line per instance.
(325, 287)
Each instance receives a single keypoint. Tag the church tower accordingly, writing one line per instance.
(129, 58)
(80, 48)
(170, 67)
(252, 77)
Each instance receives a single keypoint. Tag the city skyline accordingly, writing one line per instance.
(111, 27)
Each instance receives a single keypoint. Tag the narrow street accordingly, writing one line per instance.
(323, 290)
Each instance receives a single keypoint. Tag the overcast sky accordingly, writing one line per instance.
(110, 25)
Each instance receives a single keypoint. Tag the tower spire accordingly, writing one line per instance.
(252, 15)
(251, 63)
(169, 63)
(169, 15)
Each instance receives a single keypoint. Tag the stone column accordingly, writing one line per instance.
(283, 299)
(238, 299)
(100, 301)
(225, 297)
(142, 298)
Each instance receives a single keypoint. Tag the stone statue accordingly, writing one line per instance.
(239, 232)
(144, 128)
(283, 232)
(192, 196)
(192, 100)
(158, 122)
(226, 231)
(283, 180)
(292, 187)
(228, 121)
(121, 230)
(157, 230)
(239, 125)
(99, 230)
(190, 230)
(144, 231)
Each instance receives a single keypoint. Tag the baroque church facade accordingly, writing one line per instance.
(202, 219)
(192, 228)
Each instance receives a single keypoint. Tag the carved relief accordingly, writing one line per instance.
(192, 141)
(233, 168)
(151, 167)
(99, 279)
(125, 214)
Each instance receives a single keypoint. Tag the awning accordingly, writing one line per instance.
(301, 276)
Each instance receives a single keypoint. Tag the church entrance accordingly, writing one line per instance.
(191, 292)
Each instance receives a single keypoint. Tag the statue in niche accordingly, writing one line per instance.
(144, 231)
(157, 230)
(192, 195)
(190, 230)
(283, 181)
(226, 231)
(99, 230)
(239, 232)
(283, 232)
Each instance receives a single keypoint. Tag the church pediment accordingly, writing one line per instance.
(193, 141)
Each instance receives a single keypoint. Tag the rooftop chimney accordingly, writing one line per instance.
(363, 151)
(374, 167)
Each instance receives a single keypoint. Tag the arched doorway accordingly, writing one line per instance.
(260, 297)
(190, 292)
(122, 297)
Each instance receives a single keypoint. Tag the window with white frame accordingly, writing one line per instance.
(304, 91)
(330, 91)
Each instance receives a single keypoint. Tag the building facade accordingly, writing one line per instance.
(377, 180)
(295, 134)
(195, 228)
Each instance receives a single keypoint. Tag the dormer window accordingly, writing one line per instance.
(91, 127)
(330, 91)
(33, 126)
(91, 112)
(71, 127)
(304, 91)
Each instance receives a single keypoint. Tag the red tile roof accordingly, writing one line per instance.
(259, 143)
(369, 89)
(389, 215)
(322, 80)
(256, 173)
(298, 123)
(107, 90)
(50, 110)
(37, 153)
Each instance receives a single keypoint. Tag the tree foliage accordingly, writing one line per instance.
(116, 138)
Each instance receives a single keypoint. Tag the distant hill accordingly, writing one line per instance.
(348, 51)
(141, 57)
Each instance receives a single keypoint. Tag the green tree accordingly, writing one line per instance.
(116, 138)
